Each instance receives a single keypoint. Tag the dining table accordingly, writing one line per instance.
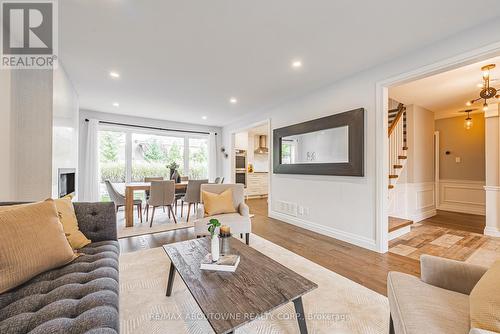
(141, 186)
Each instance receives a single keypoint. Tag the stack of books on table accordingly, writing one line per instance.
(225, 263)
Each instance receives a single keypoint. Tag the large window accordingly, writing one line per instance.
(198, 158)
(151, 154)
(130, 155)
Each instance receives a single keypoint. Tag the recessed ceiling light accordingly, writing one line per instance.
(114, 75)
(203, 117)
(233, 100)
(116, 104)
(296, 64)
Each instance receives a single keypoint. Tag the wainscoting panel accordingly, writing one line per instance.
(414, 201)
(462, 196)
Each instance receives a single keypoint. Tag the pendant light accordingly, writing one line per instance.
(468, 120)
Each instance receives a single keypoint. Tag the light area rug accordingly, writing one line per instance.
(143, 228)
(339, 305)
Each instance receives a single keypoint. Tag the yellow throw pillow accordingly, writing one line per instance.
(68, 220)
(67, 217)
(216, 204)
(484, 301)
(32, 241)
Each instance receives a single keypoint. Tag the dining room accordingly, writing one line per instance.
(152, 170)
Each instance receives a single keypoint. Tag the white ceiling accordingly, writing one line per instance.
(446, 93)
(259, 130)
(181, 60)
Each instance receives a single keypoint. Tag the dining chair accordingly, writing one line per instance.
(219, 180)
(148, 179)
(192, 195)
(119, 199)
(180, 193)
(162, 193)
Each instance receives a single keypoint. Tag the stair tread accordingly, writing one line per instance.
(393, 176)
(398, 166)
(391, 186)
(397, 223)
(402, 157)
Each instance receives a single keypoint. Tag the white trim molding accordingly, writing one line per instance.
(325, 230)
(492, 211)
(462, 196)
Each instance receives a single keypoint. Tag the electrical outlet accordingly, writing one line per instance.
(306, 211)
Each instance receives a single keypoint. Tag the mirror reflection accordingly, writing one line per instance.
(324, 146)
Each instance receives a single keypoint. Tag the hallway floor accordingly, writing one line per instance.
(452, 235)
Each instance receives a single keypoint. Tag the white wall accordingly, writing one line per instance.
(117, 118)
(345, 207)
(38, 131)
(5, 149)
(31, 134)
(65, 126)
(420, 136)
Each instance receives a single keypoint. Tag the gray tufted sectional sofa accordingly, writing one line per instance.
(80, 297)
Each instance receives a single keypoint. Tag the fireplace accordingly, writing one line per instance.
(66, 183)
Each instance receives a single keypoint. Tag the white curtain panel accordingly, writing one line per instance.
(90, 190)
(212, 156)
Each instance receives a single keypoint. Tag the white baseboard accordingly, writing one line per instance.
(328, 231)
(491, 231)
(399, 232)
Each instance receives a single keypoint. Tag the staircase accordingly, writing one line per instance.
(397, 160)
(397, 143)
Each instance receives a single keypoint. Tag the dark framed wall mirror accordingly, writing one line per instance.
(332, 145)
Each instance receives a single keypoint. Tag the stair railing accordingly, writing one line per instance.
(397, 139)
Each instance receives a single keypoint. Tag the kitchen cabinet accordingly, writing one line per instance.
(257, 185)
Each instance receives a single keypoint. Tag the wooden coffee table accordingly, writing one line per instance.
(230, 300)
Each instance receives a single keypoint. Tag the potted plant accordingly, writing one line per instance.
(172, 166)
(213, 224)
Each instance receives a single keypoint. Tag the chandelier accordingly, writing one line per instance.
(487, 92)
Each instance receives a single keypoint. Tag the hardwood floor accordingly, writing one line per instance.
(358, 264)
(457, 221)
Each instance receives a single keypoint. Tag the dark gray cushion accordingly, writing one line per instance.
(97, 220)
(77, 298)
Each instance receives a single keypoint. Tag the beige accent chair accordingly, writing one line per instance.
(438, 302)
(239, 222)
(192, 196)
(162, 194)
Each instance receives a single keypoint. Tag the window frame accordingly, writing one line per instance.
(129, 131)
